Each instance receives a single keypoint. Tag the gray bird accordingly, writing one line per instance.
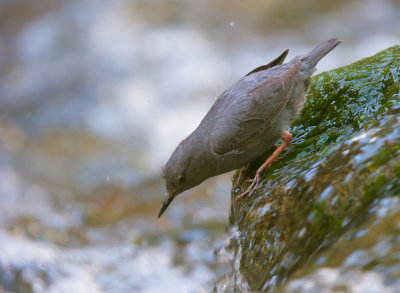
(243, 123)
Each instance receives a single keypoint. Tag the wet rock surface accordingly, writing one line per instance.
(326, 215)
(94, 97)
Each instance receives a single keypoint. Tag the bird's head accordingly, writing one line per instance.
(175, 184)
(185, 169)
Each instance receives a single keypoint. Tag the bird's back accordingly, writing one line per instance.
(235, 102)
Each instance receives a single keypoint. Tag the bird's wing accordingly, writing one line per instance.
(244, 135)
(245, 118)
(277, 61)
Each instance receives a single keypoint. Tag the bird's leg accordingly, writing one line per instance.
(286, 140)
(240, 177)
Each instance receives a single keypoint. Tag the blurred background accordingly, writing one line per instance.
(94, 97)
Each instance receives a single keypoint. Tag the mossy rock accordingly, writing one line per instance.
(344, 158)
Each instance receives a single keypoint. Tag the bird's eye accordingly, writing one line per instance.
(181, 179)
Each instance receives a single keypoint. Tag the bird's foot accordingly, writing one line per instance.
(236, 187)
(286, 140)
(239, 179)
(251, 188)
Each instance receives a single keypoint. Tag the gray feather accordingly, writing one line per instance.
(244, 122)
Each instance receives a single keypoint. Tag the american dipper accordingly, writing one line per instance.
(243, 123)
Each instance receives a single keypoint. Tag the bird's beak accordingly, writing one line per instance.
(167, 201)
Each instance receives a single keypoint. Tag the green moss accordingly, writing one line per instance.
(371, 188)
(349, 97)
(321, 222)
(302, 218)
(385, 155)
(397, 170)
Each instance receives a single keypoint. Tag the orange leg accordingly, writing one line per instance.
(287, 139)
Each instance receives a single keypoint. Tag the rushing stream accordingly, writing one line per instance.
(95, 95)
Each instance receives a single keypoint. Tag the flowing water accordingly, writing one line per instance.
(95, 95)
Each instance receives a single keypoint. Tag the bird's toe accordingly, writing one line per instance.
(250, 189)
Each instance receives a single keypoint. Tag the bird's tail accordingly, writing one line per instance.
(319, 52)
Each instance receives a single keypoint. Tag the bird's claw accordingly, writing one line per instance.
(251, 188)
(237, 184)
